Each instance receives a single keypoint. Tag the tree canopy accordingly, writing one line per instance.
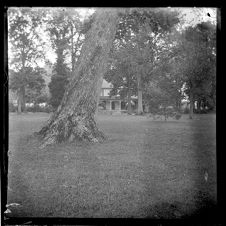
(64, 29)
(26, 48)
(197, 50)
(137, 46)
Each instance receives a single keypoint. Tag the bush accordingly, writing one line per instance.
(201, 111)
(178, 116)
(12, 108)
(37, 108)
(186, 111)
(57, 87)
(166, 112)
(47, 109)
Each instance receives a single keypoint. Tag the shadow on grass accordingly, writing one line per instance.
(204, 209)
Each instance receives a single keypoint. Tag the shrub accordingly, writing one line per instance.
(201, 111)
(186, 111)
(12, 108)
(37, 108)
(178, 116)
(166, 112)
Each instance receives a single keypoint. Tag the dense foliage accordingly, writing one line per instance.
(198, 64)
(64, 29)
(136, 49)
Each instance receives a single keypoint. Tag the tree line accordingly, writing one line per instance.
(62, 30)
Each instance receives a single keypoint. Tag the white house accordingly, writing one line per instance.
(113, 103)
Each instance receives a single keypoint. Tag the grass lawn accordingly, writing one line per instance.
(146, 168)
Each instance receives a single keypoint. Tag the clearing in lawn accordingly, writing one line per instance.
(146, 168)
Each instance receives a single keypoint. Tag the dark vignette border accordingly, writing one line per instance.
(211, 218)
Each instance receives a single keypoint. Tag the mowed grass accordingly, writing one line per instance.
(146, 168)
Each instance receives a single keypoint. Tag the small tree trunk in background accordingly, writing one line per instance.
(140, 105)
(23, 106)
(20, 101)
(198, 105)
(23, 100)
(164, 113)
(72, 50)
(22, 89)
(140, 99)
(178, 105)
(191, 106)
(19, 105)
(202, 104)
(129, 108)
(74, 118)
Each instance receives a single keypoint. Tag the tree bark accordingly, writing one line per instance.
(74, 118)
(99, 86)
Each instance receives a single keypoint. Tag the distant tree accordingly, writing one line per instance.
(123, 80)
(136, 46)
(64, 29)
(75, 36)
(198, 64)
(58, 30)
(25, 47)
(163, 92)
(31, 81)
(35, 88)
(58, 83)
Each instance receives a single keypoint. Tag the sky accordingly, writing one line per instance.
(192, 16)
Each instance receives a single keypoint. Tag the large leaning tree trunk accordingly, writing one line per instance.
(74, 118)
